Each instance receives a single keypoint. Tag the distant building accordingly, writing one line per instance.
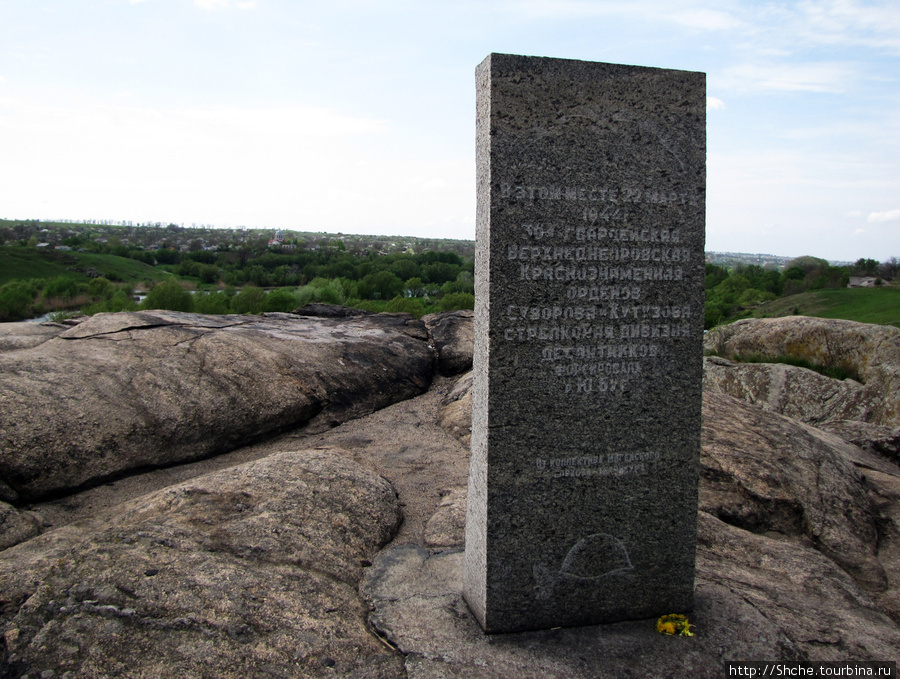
(861, 282)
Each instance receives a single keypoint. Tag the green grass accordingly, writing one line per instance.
(879, 305)
(23, 263)
(834, 372)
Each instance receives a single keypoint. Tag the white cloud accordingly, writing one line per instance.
(881, 217)
(705, 18)
(2, 80)
(849, 22)
(783, 77)
(714, 104)
(224, 4)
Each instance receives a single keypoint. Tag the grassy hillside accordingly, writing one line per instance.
(867, 305)
(24, 263)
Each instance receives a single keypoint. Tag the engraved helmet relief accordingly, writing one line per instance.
(594, 557)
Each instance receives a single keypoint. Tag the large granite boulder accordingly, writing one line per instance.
(247, 572)
(453, 335)
(765, 472)
(870, 351)
(124, 391)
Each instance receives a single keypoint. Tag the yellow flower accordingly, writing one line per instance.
(674, 624)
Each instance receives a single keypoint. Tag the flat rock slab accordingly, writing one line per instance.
(126, 391)
(247, 572)
(26, 335)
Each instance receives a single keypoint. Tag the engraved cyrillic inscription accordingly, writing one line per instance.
(603, 273)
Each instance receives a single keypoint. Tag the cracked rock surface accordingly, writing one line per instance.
(121, 392)
(247, 572)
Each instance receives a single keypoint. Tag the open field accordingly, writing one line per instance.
(867, 305)
(24, 263)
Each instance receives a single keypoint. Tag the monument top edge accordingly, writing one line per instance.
(502, 58)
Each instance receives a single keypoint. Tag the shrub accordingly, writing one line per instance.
(282, 299)
(212, 303)
(121, 300)
(457, 300)
(61, 287)
(250, 300)
(100, 287)
(17, 300)
(168, 295)
(407, 305)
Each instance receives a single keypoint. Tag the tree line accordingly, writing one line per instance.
(247, 281)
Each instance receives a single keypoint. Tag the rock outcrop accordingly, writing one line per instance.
(119, 392)
(298, 564)
(453, 335)
(764, 472)
(15, 336)
(456, 409)
(870, 351)
(874, 438)
(16, 526)
(248, 572)
(799, 393)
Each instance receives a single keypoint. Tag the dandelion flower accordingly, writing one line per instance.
(674, 624)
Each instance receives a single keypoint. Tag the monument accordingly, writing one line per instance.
(582, 501)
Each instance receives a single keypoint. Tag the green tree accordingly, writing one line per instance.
(282, 299)
(714, 275)
(17, 300)
(457, 300)
(440, 272)
(407, 305)
(214, 303)
(380, 285)
(865, 267)
(415, 287)
(712, 315)
(250, 300)
(168, 295)
(405, 268)
(61, 287)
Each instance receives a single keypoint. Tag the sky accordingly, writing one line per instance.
(358, 116)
